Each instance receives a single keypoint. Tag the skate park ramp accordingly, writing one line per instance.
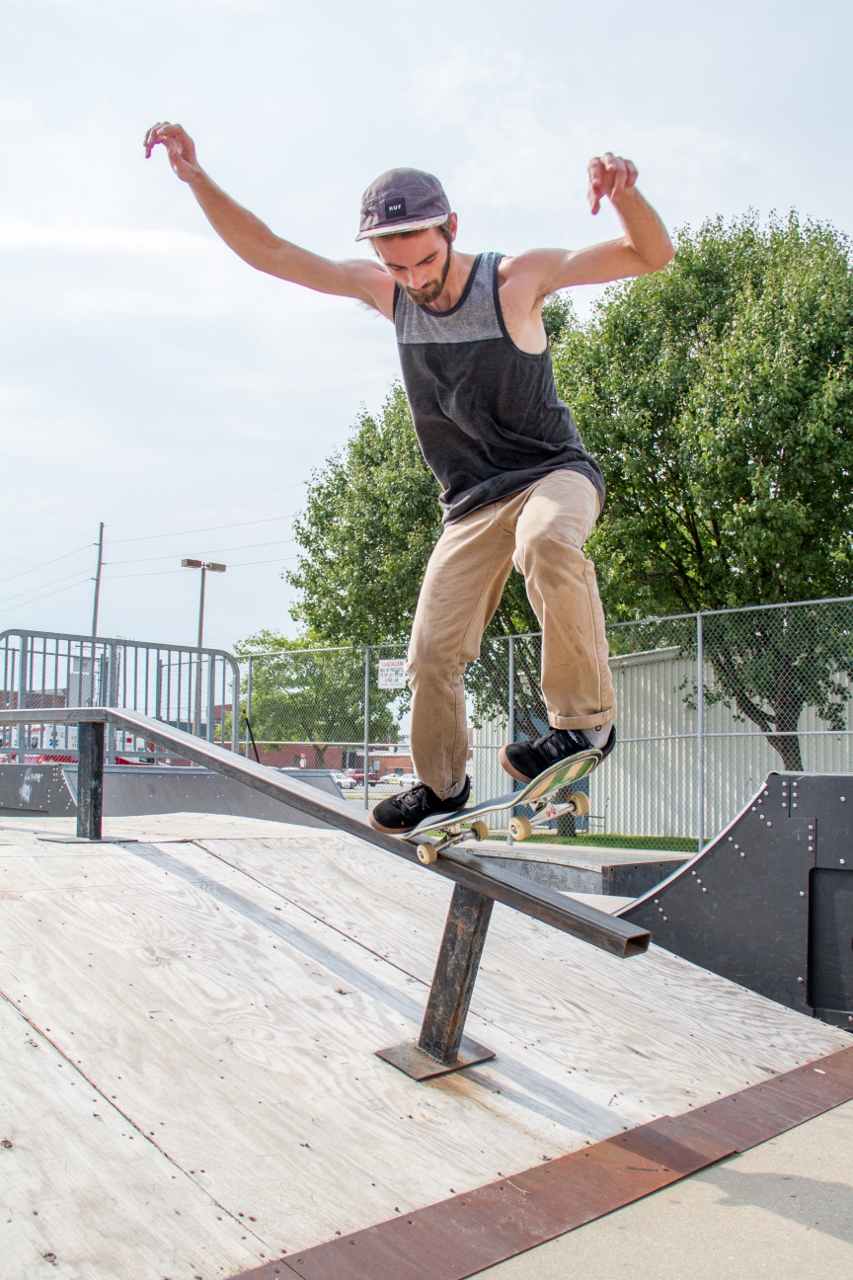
(769, 902)
(51, 788)
(190, 1014)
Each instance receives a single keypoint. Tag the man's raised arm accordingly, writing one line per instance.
(256, 244)
(644, 247)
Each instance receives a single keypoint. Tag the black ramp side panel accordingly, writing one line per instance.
(34, 788)
(137, 790)
(741, 908)
(831, 939)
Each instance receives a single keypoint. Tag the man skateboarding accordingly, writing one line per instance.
(518, 488)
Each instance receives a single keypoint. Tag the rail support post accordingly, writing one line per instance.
(441, 1046)
(90, 780)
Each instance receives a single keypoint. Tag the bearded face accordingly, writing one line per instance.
(418, 261)
(432, 289)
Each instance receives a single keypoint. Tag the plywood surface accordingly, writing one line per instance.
(227, 996)
(84, 1192)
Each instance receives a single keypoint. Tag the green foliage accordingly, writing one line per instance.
(305, 694)
(557, 316)
(718, 399)
(771, 663)
(371, 520)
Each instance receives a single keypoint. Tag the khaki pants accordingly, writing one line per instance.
(541, 531)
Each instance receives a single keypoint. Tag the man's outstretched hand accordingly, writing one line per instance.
(609, 176)
(179, 147)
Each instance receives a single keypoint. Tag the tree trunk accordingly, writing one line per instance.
(789, 750)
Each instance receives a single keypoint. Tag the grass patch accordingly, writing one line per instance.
(672, 844)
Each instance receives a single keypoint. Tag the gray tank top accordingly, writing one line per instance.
(487, 414)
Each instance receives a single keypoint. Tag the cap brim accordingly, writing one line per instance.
(395, 229)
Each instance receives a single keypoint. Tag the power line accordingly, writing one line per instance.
(147, 537)
(23, 604)
(45, 565)
(161, 573)
(15, 595)
(164, 515)
(185, 533)
(243, 546)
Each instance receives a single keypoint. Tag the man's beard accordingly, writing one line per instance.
(431, 291)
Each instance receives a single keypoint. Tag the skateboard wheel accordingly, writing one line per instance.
(520, 827)
(427, 853)
(479, 830)
(579, 802)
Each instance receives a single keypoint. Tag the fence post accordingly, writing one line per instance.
(366, 725)
(248, 704)
(700, 730)
(23, 698)
(90, 780)
(510, 719)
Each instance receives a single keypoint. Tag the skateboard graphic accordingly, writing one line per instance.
(465, 824)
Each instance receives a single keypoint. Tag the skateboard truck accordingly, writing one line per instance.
(428, 850)
(521, 827)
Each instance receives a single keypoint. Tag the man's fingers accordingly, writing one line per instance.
(610, 175)
(157, 133)
(595, 168)
(620, 175)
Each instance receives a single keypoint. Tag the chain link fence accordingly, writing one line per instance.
(709, 703)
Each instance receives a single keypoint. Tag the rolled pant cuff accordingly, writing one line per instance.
(450, 792)
(582, 722)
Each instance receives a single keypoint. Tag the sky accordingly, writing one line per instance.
(152, 381)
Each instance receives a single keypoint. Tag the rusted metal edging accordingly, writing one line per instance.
(460, 1237)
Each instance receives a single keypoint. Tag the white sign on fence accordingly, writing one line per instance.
(392, 673)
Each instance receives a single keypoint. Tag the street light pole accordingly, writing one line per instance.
(214, 568)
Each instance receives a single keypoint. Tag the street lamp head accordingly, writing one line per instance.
(191, 564)
(216, 568)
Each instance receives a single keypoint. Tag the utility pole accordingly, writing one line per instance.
(98, 581)
(214, 568)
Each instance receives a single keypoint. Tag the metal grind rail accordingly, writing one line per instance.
(441, 1046)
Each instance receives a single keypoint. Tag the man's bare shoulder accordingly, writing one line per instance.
(530, 263)
(369, 282)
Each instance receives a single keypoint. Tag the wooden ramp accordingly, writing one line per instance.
(188, 1029)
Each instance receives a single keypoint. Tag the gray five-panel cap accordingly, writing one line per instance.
(402, 200)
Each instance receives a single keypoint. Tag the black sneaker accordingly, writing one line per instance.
(526, 760)
(401, 813)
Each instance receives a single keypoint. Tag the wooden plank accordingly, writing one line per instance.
(85, 1192)
(247, 1039)
(625, 1033)
(233, 999)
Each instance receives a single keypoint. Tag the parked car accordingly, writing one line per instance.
(359, 778)
(345, 781)
(402, 780)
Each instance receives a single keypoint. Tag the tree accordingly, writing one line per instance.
(718, 399)
(371, 519)
(304, 694)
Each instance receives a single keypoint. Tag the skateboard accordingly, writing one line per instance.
(464, 824)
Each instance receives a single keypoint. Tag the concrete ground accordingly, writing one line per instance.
(782, 1210)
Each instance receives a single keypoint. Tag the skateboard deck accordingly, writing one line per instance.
(443, 829)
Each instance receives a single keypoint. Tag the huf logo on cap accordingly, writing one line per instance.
(402, 200)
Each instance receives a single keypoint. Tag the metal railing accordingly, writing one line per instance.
(441, 1046)
(189, 688)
